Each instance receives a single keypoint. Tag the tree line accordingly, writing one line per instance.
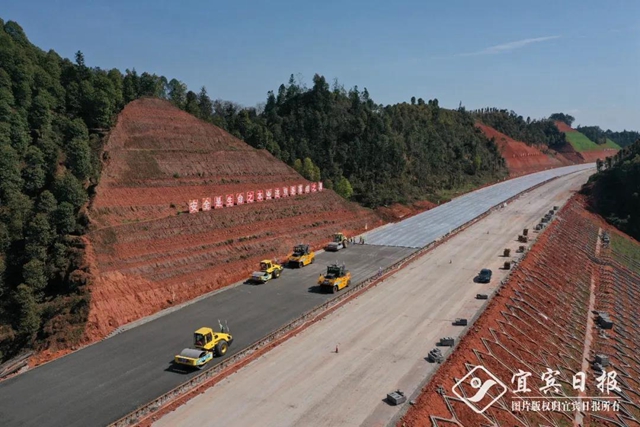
(377, 154)
(532, 132)
(53, 114)
(599, 136)
(614, 192)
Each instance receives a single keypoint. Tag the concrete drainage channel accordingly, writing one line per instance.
(307, 318)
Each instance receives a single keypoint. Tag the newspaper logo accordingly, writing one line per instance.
(481, 389)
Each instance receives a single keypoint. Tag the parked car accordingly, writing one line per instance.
(484, 276)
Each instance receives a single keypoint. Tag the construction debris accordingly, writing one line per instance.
(446, 342)
(396, 397)
(435, 356)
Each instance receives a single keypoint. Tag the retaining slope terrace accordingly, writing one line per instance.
(618, 294)
(150, 255)
(157, 155)
(538, 320)
(420, 230)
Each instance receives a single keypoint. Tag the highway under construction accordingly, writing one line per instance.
(108, 380)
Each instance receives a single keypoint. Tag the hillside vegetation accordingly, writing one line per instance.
(52, 115)
(532, 132)
(615, 191)
(581, 143)
(599, 136)
(384, 154)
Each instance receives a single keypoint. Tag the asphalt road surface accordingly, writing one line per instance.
(102, 383)
(422, 229)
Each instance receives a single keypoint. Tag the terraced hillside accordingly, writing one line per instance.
(150, 254)
(582, 148)
(521, 158)
(544, 318)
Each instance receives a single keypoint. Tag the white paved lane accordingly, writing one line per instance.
(424, 228)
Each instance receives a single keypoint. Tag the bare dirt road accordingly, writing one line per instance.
(383, 336)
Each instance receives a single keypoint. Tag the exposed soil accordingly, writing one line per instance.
(585, 156)
(538, 320)
(149, 254)
(521, 158)
(398, 212)
(563, 127)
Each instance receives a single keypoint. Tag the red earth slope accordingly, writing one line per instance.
(521, 158)
(148, 255)
(537, 321)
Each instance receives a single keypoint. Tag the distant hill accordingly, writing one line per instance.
(600, 136)
(581, 143)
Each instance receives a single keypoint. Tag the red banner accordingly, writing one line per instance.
(239, 198)
(206, 204)
(300, 189)
(249, 196)
(229, 200)
(307, 189)
(259, 195)
(193, 206)
(268, 194)
(320, 186)
(276, 193)
(285, 191)
(292, 190)
(217, 202)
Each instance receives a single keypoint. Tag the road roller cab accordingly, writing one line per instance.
(207, 343)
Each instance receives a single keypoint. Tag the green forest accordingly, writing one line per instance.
(55, 113)
(376, 154)
(615, 190)
(599, 136)
(542, 131)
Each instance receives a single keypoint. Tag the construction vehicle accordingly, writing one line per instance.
(336, 278)
(301, 256)
(207, 345)
(268, 270)
(340, 241)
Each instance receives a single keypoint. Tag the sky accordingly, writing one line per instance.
(580, 57)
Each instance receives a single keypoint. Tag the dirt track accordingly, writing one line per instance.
(383, 336)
